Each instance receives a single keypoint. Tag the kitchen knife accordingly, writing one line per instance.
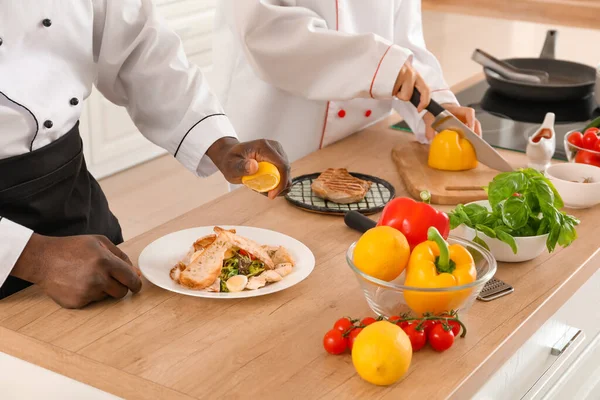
(444, 119)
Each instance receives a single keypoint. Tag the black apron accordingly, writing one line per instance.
(50, 191)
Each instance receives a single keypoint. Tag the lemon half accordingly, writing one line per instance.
(265, 179)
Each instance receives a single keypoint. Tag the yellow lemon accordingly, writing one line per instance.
(265, 179)
(381, 353)
(382, 253)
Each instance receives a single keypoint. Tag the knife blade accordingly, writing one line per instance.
(444, 119)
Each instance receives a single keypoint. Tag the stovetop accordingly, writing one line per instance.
(508, 123)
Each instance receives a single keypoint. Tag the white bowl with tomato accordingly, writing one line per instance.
(583, 147)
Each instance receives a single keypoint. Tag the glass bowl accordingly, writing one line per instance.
(393, 298)
(579, 154)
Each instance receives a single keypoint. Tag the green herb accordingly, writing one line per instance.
(223, 286)
(230, 268)
(256, 268)
(523, 203)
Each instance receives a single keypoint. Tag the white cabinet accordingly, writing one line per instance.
(561, 360)
(111, 141)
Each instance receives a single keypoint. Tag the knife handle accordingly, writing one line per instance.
(433, 106)
(359, 222)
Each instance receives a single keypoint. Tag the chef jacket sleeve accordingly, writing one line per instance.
(294, 49)
(13, 239)
(141, 65)
(408, 29)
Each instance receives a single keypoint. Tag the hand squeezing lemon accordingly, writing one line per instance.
(265, 179)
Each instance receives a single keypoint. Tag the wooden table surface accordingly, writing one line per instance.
(162, 345)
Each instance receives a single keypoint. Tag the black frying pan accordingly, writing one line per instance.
(568, 80)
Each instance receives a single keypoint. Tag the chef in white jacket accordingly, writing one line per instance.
(56, 228)
(310, 72)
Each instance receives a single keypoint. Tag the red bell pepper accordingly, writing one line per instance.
(413, 219)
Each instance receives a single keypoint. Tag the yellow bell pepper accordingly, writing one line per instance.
(435, 264)
(450, 152)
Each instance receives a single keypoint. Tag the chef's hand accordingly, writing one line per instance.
(77, 270)
(235, 160)
(465, 114)
(408, 79)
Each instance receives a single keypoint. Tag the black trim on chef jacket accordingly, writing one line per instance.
(37, 124)
(51, 192)
(193, 126)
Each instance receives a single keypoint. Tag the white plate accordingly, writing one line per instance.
(157, 259)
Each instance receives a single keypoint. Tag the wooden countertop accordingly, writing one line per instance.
(161, 345)
(579, 13)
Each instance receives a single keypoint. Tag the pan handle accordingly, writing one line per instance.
(549, 49)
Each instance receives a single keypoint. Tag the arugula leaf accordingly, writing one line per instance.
(515, 212)
(507, 238)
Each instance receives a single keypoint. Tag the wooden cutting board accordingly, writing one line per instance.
(446, 187)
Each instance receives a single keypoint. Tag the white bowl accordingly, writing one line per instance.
(528, 247)
(568, 177)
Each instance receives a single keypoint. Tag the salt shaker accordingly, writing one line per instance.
(541, 145)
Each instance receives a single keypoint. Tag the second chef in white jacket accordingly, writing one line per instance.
(310, 72)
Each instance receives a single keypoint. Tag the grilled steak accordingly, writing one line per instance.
(337, 185)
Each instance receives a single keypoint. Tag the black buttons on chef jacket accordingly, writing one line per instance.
(74, 101)
(48, 124)
(0, 41)
(47, 23)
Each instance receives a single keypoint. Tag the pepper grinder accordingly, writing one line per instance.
(541, 145)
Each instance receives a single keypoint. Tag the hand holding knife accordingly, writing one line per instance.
(444, 119)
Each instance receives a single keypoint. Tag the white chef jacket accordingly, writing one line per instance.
(52, 51)
(310, 72)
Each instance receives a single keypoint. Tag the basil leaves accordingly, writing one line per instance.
(523, 203)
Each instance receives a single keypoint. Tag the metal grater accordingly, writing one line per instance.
(494, 289)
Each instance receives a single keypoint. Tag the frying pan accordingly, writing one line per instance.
(567, 80)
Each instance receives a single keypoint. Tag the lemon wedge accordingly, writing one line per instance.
(265, 179)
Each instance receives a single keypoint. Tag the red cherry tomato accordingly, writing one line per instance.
(593, 129)
(394, 319)
(334, 342)
(586, 157)
(367, 321)
(351, 336)
(455, 327)
(417, 337)
(576, 139)
(428, 326)
(440, 338)
(343, 324)
(589, 140)
(597, 146)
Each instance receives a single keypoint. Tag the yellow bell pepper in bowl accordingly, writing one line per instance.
(435, 264)
(451, 152)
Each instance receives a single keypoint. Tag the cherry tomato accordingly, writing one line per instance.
(367, 321)
(351, 336)
(334, 342)
(245, 253)
(417, 337)
(440, 338)
(404, 324)
(586, 157)
(455, 327)
(589, 140)
(597, 146)
(593, 129)
(576, 139)
(343, 324)
(428, 326)
(394, 319)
